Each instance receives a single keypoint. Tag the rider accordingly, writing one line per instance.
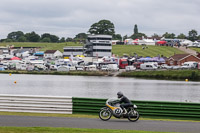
(124, 102)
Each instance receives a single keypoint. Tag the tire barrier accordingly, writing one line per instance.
(150, 109)
(36, 104)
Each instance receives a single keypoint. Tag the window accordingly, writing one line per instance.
(99, 38)
(73, 50)
(101, 50)
(101, 44)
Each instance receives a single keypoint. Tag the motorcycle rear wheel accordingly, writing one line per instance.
(105, 114)
(133, 115)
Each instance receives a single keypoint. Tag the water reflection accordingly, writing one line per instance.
(100, 87)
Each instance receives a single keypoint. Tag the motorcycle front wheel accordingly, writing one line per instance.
(105, 114)
(133, 115)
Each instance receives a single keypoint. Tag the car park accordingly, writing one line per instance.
(189, 65)
(79, 68)
(149, 66)
(104, 67)
(130, 68)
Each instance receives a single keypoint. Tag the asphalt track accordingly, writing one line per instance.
(123, 124)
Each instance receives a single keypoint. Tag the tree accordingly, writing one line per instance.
(168, 35)
(181, 36)
(46, 39)
(156, 36)
(45, 35)
(15, 35)
(136, 34)
(62, 39)
(32, 37)
(125, 37)
(54, 38)
(117, 37)
(192, 35)
(102, 27)
(22, 39)
(135, 31)
(69, 39)
(199, 37)
(81, 36)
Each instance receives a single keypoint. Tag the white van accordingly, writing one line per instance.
(189, 65)
(63, 69)
(130, 68)
(113, 67)
(91, 68)
(149, 66)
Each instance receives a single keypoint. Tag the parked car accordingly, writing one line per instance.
(113, 67)
(165, 66)
(91, 68)
(72, 68)
(189, 65)
(79, 68)
(53, 67)
(63, 69)
(176, 67)
(130, 68)
(104, 67)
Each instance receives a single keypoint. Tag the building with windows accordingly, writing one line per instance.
(98, 46)
(52, 54)
(76, 50)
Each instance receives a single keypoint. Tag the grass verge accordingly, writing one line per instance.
(49, 115)
(95, 116)
(193, 75)
(81, 73)
(65, 130)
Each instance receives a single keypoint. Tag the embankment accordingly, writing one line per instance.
(193, 75)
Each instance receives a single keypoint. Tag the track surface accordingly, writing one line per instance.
(123, 124)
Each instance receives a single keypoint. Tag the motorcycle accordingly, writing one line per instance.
(113, 109)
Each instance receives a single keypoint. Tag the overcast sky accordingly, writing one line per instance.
(66, 18)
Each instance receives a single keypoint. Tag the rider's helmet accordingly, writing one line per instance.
(119, 94)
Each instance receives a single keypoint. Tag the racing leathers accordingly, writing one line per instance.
(125, 102)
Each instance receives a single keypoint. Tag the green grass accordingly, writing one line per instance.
(80, 73)
(151, 51)
(49, 114)
(66, 130)
(193, 75)
(116, 49)
(196, 49)
(44, 46)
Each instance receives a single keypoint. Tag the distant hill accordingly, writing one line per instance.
(151, 51)
(119, 50)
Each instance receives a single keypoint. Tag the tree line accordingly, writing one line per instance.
(102, 27)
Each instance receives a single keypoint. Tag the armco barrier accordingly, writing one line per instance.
(36, 104)
(172, 110)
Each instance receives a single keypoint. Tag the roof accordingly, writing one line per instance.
(39, 53)
(179, 57)
(50, 51)
(99, 36)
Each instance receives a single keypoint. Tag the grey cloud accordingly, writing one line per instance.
(67, 17)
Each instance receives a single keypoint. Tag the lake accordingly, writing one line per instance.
(100, 87)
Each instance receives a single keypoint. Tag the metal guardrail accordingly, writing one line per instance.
(151, 109)
(36, 104)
